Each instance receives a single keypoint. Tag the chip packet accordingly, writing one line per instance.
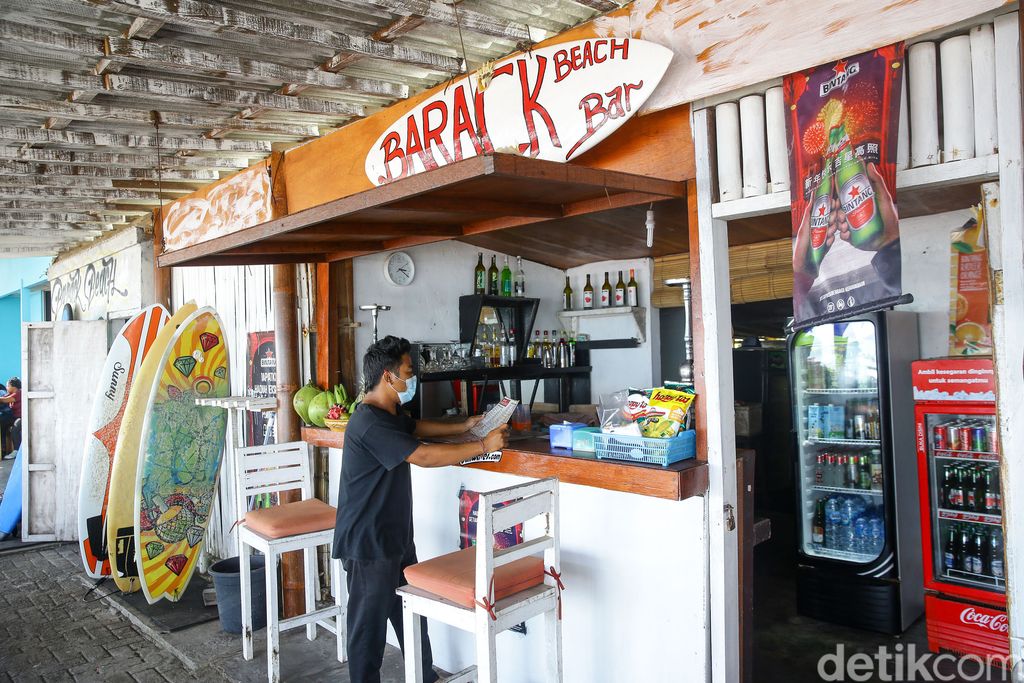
(666, 411)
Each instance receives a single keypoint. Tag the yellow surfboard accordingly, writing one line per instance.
(180, 455)
(121, 506)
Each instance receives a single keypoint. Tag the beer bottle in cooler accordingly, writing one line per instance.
(949, 559)
(964, 563)
(991, 493)
(970, 490)
(821, 209)
(977, 553)
(956, 490)
(865, 473)
(818, 526)
(980, 491)
(995, 554)
(856, 194)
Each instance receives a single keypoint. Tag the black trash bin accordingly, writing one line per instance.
(227, 582)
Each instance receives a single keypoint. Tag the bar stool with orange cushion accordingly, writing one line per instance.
(303, 525)
(487, 591)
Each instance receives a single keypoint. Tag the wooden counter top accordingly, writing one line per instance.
(325, 438)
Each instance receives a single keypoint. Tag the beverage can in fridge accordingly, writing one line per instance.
(859, 427)
(953, 435)
(993, 439)
(939, 439)
(965, 437)
(979, 439)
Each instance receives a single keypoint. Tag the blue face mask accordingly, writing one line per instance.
(410, 390)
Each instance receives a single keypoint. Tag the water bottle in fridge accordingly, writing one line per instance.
(860, 536)
(846, 516)
(831, 523)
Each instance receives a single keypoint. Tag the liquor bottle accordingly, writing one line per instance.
(991, 503)
(588, 295)
(545, 347)
(563, 352)
(819, 470)
(480, 276)
(949, 558)
(632, 291)
(856, 194)
(493, 278)
(513, 349)
(535, 348)
(567, 296)
(818, 527)
(821, 208)
(620, 291)
(506, 279)
(520, 283)
(606, 292)
(876, 469)
(995, 554)
(495, 349)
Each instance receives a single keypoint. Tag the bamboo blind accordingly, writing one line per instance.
(757, 272)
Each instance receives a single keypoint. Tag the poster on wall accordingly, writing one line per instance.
(469, 507)
(842, 129)
(261, 382)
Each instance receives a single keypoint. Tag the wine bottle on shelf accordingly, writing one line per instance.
(606, 292)
(620, 291)
(480, 276)
(506, 279)
(520, 280)
(513, 351)
(588, 295)
(567, 296)
(493, 278)
(632, 291)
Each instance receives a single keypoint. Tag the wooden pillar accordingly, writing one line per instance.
(715, 379)
(161, 276)
(288, 428)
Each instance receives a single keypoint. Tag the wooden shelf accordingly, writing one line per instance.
(925, 189)
(324, 438)
(639, 314)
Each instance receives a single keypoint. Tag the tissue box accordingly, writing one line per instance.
(583, 439)
(561, 435)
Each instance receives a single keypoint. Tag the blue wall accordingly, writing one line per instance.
(29, 273)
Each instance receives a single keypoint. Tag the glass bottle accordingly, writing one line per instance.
(480, 276)
(506, 279)
(513, 351)
(588, 295)
(493, 278)
(606, 292)
(632, 291)
(567, 296)
(520, 282)
(620, 291)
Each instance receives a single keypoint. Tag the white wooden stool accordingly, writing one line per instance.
(303, 525)
(486, 591)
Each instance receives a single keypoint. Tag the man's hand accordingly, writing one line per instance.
(883, 204)
(496, 439)
(471, 422)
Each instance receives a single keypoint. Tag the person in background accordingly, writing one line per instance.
(373, 535)
(13, 428)
(6, 422)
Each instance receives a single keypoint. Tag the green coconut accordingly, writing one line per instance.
(302, 398)
(319, 406)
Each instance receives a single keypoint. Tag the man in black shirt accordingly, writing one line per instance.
(373, 535)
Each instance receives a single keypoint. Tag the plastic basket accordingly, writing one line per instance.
(642, 449)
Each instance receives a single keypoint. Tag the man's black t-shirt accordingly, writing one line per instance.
(375, 498)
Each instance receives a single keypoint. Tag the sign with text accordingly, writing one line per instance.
(842, 128)
(954, 379)
(552, 103)
(261, 382)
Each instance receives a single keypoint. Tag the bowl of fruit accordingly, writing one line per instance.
(337, 418)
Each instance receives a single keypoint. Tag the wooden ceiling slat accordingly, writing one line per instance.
(168, 143)
(90, 158)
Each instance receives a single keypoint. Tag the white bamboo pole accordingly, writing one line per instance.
(924, 105)
(983, 73)
(727, 142)
(778, 155)
(957, 99)
(752, 137)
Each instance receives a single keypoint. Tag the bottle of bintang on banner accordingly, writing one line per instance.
(821, 209)
(856, 194)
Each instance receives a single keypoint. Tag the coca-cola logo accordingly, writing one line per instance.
(993, 622)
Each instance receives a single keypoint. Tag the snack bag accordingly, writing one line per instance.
(666, 411)
(637, 404)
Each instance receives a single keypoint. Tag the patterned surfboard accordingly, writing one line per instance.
(120, 506)
(123, 361)
(180, 456)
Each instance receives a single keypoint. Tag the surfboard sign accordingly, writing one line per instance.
(125, 357)
(180, 455)
(552, 103)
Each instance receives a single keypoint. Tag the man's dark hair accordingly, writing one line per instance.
(16, 383)
(385, 354)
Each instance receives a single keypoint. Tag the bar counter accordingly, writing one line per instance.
(534, 457)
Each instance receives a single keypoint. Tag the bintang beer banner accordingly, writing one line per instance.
(842, 124)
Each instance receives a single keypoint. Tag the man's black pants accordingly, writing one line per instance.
(372, 602)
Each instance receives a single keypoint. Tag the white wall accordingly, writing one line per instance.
(924, 243)
(616, 369)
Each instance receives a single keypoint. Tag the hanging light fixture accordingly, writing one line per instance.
(650, 226)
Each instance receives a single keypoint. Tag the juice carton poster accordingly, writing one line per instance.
(842, 125)
(261, 382)
(970, 304)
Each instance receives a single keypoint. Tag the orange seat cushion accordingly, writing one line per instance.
(292, 519)
(453, 576)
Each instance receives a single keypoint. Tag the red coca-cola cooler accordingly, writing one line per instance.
(958, 459)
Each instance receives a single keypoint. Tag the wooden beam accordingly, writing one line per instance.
(74, 192)
(343, 59)
(477, 206)
(326, 330)
(246, 260)
(26, 216)
(12, 32)
(50, 181)
(90, 158)
(222, 18)
(70, 204)
(328, 230)
(34, 169)
(191, 61)
(41, 228)
(166, 142)
(170, 119)
(467, 19)
(275, 247)
(143, 28)
(599, 5)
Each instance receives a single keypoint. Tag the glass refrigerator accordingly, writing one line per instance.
(859, 554)
(958, 459)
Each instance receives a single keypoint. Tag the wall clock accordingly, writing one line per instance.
(399, 268)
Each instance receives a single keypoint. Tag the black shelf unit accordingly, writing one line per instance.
(514, 312)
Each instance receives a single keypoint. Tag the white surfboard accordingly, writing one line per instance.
(123, 360)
